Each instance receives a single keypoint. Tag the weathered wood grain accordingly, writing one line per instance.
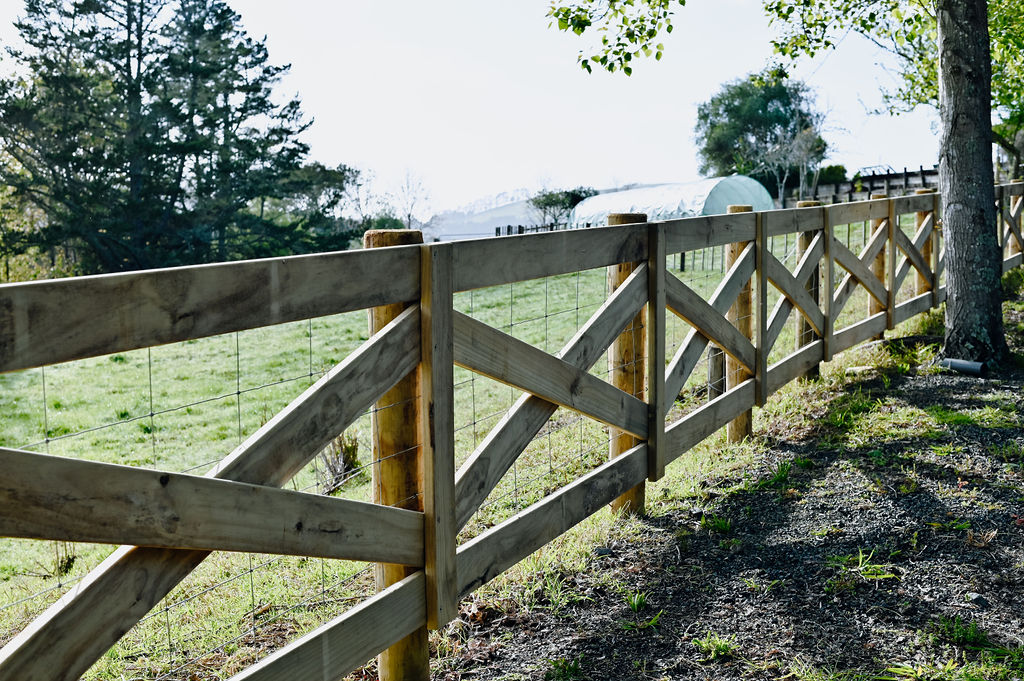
(794, 290)
(1012, 261)
(119, 312)
(495, 455)
(914, 203)
(913, 307)
(51, 497)
(74, 632)
(490, 352)
(437, 419)
(849, 282)
(858, 211)
(499, 548)
(657, 402)
(922, 242)
(334, 649)
(779, 222)
(397, 465)
(860, 271)
(794, 366)
(806, 270)
(699, 424)
(701, 315)
(829, 282)
(859, 332)
(689, 234)
(503, 260)
(912, 256)
(688, 354)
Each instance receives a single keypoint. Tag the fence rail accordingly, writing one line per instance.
(169, 522)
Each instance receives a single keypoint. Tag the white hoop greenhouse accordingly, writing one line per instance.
(677, 200)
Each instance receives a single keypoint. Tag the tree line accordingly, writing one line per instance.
(147, 133)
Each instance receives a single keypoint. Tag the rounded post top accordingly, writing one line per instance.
(616, 219)
(379, 238)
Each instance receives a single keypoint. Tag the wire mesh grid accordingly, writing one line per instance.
(702, 271)
(544, 313)
(183, 407)
(855, 236)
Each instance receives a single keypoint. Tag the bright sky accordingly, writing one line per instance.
(477, 97)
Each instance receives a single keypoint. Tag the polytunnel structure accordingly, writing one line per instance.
(675, 200)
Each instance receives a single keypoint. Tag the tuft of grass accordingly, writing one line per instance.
(860, 566)
(715, 647)
(640, 625)
(636, 600)
(964, 633)
(717, 524)
(563, 669)
(763, 588)
(1013, 283)
(779, 477)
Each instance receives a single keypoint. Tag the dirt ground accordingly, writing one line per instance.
(886, 541)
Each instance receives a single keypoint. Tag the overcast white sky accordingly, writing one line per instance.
(478, 97)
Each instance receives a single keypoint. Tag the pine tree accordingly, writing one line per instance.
(148, 132)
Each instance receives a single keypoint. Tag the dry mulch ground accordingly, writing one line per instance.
(840, 556)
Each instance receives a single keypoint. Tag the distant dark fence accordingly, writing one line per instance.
(860, 189)
(512, 230)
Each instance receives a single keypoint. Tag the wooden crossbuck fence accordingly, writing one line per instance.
(167, 523)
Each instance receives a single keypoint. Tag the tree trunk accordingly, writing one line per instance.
(974, 324)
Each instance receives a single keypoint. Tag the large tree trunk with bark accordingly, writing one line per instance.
(974, 325)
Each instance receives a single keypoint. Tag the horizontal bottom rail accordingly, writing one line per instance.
(491, 553)
(794, 366)
(1013, 261)
(859, 332)
(912, 307)
(694, 427)
(347, 641)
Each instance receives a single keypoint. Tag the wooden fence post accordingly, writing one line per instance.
(804, 331)
(923, 284)
(396, 472)
(657, 266)
(878, 267)
(1015, 246)
(741, 315)
(626, 366)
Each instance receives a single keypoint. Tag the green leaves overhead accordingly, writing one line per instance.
(628, 29)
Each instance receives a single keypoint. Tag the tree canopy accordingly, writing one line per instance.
(148, 133)
(764, 125)
(553, 206)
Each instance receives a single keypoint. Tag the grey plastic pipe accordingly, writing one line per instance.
(963, 366)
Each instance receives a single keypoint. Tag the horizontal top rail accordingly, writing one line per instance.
(915, 203)
(778, 222)
(48, 322)
(687, 234)
(491, 262)
(1012, 189)
(54, 321)
(859, 211)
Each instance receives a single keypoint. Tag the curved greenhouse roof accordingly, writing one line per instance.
(675, 200)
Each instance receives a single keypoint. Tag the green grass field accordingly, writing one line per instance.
(184, 406)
